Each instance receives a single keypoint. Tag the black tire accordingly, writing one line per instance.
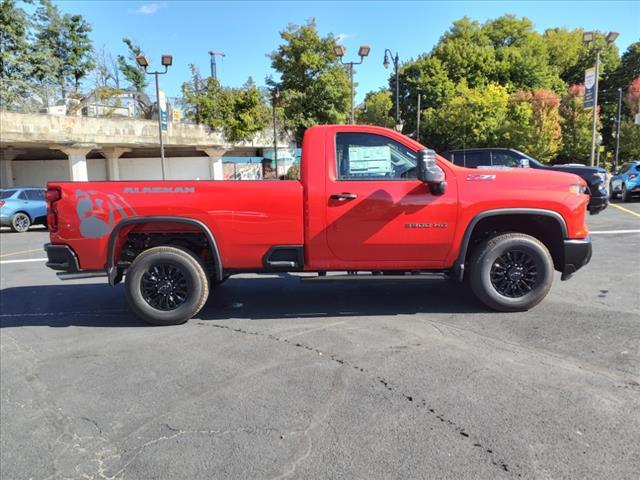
(511, 259)
(625, 195)
(20, 222)
(166, 286)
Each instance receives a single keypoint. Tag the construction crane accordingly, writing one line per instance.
(213, 54)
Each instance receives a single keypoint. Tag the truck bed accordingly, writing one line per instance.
(254, 215)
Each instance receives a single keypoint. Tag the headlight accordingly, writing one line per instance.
(578, 189)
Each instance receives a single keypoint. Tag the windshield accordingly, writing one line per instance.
(6, 193)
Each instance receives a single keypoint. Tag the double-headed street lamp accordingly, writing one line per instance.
(166, 61)
(363, 51)
(396, 61)
(588, 37)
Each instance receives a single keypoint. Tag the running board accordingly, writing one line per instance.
(81, 275)
(373, 278)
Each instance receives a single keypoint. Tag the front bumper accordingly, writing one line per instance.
(597, 204)
(577, 253)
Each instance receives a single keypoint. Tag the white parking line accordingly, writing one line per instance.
(24, 260)
(613, 232)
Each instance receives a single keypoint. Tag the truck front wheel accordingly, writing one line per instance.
(511, 272)
(166, 285)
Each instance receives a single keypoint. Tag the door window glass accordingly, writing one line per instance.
(22, 196)
(473, 159)
(366, 156)
(504, 159)
(34, 195)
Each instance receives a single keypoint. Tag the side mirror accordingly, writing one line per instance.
(429, 172)
(523, 163)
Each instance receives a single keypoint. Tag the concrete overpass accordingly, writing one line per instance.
(36, 148)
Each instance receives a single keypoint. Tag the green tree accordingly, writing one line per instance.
(533, 124)
(474, 117)
(78, 62)
(629, 141)
(466, 53)
(521, 57)
(14, 59)
(571, 56)
(315, 87)
(239, 112)
(130, 69)
(576, 124)
(428, 77)
(377, 109)
(50, 47)
(249, 113)
(63, 49)
(629, 68)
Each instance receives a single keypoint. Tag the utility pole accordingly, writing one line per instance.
(396, 66)
(418, 120)
(214, 71)
(618, 128)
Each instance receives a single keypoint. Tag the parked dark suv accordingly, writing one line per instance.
(508, 157)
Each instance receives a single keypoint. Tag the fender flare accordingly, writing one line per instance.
(458, 265)
(110, 267)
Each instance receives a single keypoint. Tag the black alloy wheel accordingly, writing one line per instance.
(164, 286)
(514, 274)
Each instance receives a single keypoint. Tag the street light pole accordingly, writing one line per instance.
(160, 124)
(276, 94)
(594, 119)
(396, 63)
(618, 127)
(363, 51)
(167, 61)
(588, 37)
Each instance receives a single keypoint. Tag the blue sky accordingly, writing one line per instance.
(247, 31)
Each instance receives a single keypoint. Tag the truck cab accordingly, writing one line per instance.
(370, 203)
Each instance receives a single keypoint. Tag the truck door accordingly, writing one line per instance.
(376, 208)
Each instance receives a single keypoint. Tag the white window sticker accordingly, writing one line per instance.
(370, 160)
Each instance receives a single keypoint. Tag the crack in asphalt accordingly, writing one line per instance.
(421, 403)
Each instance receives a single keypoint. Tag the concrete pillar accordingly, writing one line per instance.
(6, 172)
(77, 154)
(112, 154)
(215, 161)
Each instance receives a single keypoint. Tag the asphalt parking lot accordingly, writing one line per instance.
(282, 379)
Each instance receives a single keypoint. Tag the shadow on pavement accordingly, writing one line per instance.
(98, 305)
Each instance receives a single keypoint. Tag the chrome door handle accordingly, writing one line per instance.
(343, 196)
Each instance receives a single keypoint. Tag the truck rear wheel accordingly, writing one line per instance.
(166, 286)
(511, 272)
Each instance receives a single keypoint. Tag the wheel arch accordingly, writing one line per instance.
(25, 212)
(110, 266)
(497, 215)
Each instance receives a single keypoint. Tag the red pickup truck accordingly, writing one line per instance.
(370, 202)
